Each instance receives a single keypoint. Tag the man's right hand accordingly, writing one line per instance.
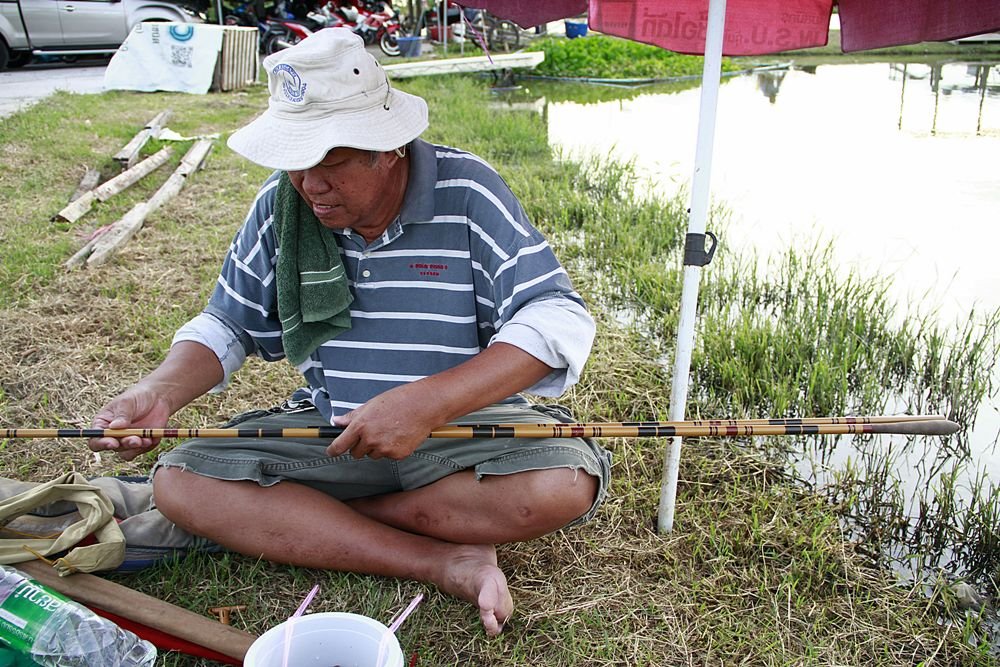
(189, 370)
(137, 407)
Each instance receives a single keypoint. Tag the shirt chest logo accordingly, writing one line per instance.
(428, 270)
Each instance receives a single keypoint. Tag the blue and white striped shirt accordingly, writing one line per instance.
(460, 268)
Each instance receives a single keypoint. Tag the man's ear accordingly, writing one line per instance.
(387, 159)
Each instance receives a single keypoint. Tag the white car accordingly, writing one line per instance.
(30, 28)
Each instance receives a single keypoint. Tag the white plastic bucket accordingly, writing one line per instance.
(326, 639)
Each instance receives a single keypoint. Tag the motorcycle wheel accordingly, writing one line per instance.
(278, 42)
(389, 44)
(505, 37)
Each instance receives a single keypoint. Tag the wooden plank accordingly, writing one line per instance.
(524, 60)
(89, 589)
(128, 155)
(122, 231)
(81, 255)
(77, 209)
(89, 180)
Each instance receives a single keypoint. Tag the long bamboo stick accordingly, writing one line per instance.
(104, 191)
(904, 425)
(124, 229)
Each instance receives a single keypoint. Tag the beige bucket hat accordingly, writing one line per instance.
(327, 91)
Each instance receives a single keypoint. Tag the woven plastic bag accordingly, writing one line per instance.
(97, 518)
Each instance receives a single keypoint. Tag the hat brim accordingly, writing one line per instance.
(281, 141)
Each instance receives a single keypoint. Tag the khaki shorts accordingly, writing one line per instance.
(304, 460)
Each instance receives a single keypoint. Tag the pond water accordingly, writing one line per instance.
(822, 152)
(897, 166)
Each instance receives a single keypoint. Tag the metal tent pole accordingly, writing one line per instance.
(701, 180)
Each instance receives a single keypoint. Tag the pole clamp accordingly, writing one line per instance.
(694, 249)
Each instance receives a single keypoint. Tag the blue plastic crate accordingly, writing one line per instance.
(575, 29)
(409, 47)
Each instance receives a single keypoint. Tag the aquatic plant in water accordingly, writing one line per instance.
(801, 338)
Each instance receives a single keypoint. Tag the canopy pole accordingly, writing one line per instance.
(700, 182)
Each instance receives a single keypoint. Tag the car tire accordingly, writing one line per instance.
(19, 59)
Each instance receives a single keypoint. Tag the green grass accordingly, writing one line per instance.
(607, 57)
(758, 570)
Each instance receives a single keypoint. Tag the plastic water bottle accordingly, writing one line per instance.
(54, 631)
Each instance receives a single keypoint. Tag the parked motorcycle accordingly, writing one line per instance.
(374, 22)
(285, 32)
(248, 13)
(478, 25)
(251, 14)
(382, 25)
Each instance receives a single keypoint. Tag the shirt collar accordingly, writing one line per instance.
(418, 201)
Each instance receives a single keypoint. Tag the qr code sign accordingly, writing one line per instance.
(180, 56)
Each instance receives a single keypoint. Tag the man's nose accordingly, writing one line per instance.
(314, 181)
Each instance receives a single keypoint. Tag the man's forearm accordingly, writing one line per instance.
(189, 371)
(494, 374)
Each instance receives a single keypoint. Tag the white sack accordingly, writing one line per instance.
(178, 57)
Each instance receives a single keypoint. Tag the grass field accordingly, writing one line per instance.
(757, 570)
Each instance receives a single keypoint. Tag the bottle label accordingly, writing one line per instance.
(24, 609)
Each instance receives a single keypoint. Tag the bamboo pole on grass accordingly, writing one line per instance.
(76, 209)
(119, 233)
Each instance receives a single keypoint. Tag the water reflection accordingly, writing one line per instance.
(828, 158)
(769, 83)
(897, 165)
(977, 78)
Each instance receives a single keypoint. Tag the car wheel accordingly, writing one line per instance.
(19, 59)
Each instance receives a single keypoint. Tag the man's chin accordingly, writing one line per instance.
(334, 219)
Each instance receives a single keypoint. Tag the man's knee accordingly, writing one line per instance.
(176, 493)
(555, 498)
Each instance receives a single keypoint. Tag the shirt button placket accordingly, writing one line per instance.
(362, 271)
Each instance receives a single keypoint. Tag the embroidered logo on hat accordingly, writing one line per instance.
(291, 83)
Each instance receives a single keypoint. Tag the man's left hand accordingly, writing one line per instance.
(391, 425)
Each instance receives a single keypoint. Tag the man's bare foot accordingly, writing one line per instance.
(472, 575)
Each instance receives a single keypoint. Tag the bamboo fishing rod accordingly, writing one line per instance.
(901, 425)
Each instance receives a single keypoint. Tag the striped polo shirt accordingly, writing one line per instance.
(459, 268)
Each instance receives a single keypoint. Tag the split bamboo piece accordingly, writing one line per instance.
(76, 209)
(906, 425)
(127, 156)
(120, 232)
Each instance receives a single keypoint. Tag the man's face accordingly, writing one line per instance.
(348, 189)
